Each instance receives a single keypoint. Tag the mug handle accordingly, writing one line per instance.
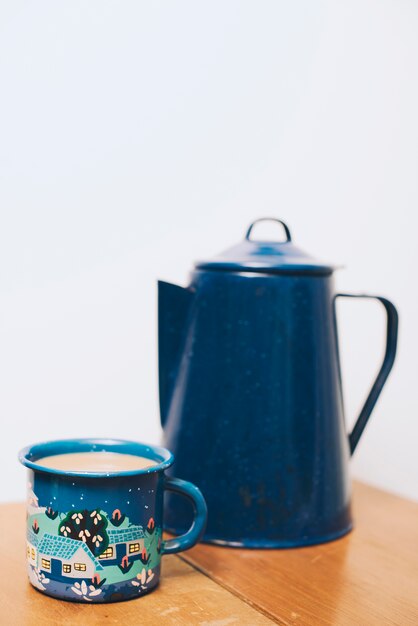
(196, 530)
(388, 360)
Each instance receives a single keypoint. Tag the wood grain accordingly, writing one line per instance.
(369, 577)
(185, 596)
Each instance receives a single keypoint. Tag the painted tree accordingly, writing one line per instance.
(87, 526)
(152, 545)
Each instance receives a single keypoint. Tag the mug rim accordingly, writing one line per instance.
(29, 455)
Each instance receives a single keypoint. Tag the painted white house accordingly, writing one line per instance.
(63, 557)
(32, 547)
(33, 507)
(32, 498)
(66, 558)
(123, 542)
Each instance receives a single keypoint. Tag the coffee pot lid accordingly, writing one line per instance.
(251, 255)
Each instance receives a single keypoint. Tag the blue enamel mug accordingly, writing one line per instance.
(95, 536)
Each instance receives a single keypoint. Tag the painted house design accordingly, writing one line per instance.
(33, 503)
(32, 547)
(32, 499)
(66, 558)
(123, 542)
(63, 557)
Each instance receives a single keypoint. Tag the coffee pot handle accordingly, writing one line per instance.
(388, 360)
(269, 219)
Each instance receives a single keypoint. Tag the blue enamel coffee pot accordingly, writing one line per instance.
(251, 399)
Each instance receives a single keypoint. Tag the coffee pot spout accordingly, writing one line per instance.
(174, 305)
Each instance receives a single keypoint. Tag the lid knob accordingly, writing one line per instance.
(269, 219)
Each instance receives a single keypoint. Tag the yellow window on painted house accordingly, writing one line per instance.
(134, 547)
(32, 552)
(107, 554)
(80, 567)
(46, 564)
(66, 568)
(28, 551)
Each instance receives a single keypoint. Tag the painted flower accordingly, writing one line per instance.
(51, 513)
(96, 517)
(143, 578)
(77, 517)
(96, 582)
(125, 565)
(65, 530)
(97, 540)
(86, 592)
(151, 525)
(144, 556)
(83, 534)
(117, 517)
(35, 526)
(38, 578)
(41, 577)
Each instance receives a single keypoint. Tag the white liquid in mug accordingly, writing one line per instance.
(96, 462)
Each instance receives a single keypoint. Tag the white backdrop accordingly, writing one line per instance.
(136, 137)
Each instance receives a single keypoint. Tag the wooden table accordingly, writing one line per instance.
(369, 577)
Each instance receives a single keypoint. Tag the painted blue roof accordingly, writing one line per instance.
(31, 537)
(120, 535)
(64, 548)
